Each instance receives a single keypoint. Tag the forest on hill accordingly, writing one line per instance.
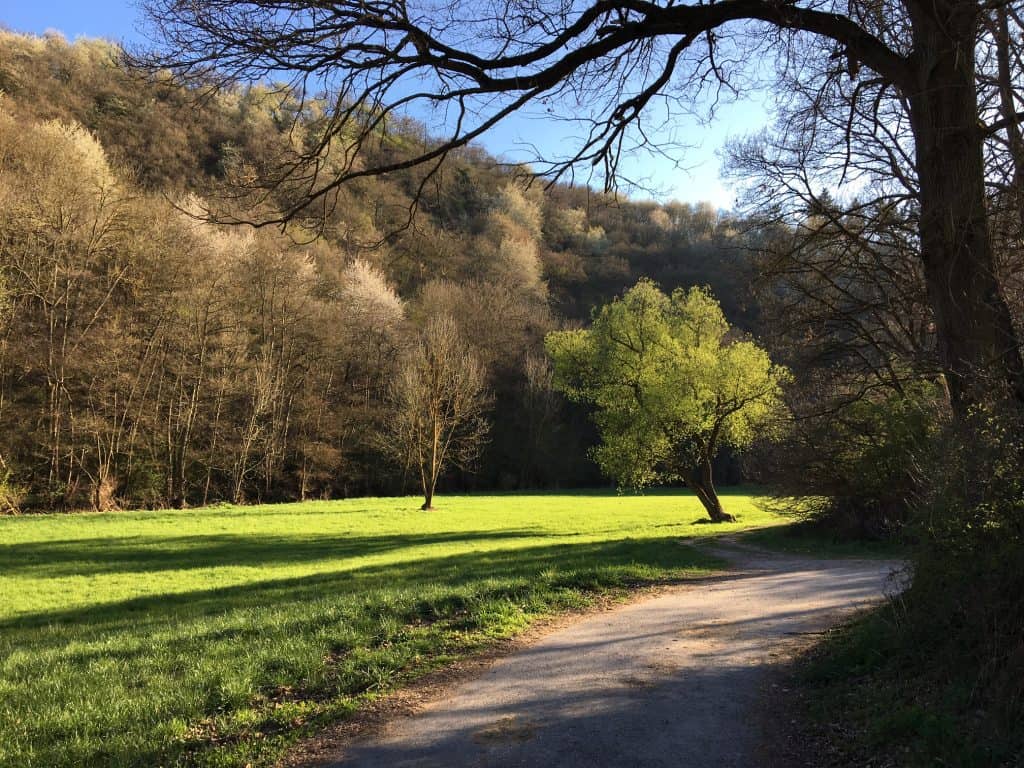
(151, 359)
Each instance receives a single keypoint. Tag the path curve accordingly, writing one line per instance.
(671, 680)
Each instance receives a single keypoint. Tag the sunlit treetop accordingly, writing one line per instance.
(668, 385)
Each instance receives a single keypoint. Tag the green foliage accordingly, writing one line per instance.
(881, 436)
(667, 385)
(967, 600)
(219, 636)
(862, 460)
(937, 678)
(974, 499)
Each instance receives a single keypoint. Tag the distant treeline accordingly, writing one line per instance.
(148, 358)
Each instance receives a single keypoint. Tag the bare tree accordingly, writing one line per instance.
(439, 405)
(843, 291)
(62, 214)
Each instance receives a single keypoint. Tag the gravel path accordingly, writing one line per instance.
(672, 680)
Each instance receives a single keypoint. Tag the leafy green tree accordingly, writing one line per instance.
(668, 386)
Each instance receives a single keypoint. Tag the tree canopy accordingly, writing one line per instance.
(668, 386)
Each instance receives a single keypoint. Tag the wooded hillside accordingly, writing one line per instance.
(152, 359)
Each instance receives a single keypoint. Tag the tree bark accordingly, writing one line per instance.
(977, 340)
(1008, 108)
(176, 491)
(704, 487)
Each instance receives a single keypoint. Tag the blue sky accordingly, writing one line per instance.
(117, 20)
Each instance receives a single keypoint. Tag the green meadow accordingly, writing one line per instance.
(220, 636)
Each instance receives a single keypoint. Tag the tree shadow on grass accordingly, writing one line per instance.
(612, 492)
(208, 652)
(511, 572)
(90, 556)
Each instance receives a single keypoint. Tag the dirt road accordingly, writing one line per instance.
(672, 680)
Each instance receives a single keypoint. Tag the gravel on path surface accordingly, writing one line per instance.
(671, 680)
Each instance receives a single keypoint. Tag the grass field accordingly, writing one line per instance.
(218, 636)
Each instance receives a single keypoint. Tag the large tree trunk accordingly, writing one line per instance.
(704, 487)
(977, 341)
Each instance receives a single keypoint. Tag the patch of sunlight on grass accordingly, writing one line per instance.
(218, 636)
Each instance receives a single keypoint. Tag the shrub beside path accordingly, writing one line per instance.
(676, 679)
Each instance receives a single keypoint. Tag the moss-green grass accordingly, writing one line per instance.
(897, 704)
(219, 636)
(802, 539)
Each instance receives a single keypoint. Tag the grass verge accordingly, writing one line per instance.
(800, 538)
(866, 697)
(218, 637)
